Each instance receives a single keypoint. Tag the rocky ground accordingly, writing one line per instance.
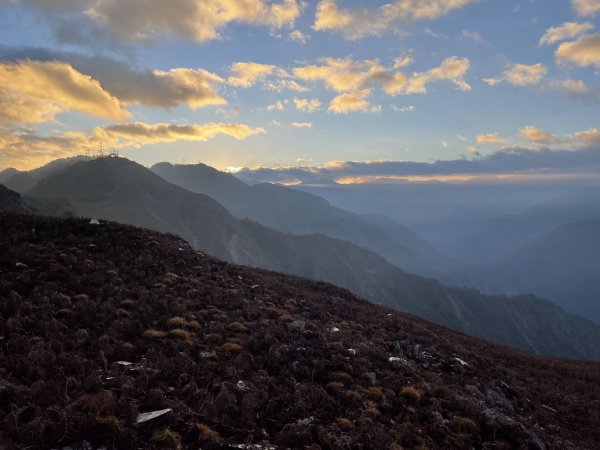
(117, 337)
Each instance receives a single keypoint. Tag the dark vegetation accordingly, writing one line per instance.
(100, 323)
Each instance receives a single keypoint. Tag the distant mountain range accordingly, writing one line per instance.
(121, 190)
(292, 211)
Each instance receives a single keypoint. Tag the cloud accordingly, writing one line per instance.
(520, 75)
(247, 74)
(407, 108)
(352, 102)
(36, 91)
(514, 161)
(26, 149)
(302, 124)
(277, 106)
(342, 74)
(401, 62)
(567, 30)
(582, 52)
(356, 24)
(586, 139)
(536, 135)
(569, 86)
(491, 138)
(299, 36)
(452, 69)
(199, 20)
(137, 134)
(347, 75)
(586, 7)
(307, 105)
(155, 88)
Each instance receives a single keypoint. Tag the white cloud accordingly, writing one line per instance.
(536, 135)
(199, 20)
(452, 69)
(247, 74)
(407, 108)
(491, 138)
(302, 124)
(277, 106)
(582, 52)
(355, 24)
(299, 36)
(308, 105)
(352, 102)
(567, 30)
(34, 92)
(586, 7)
(520, 75)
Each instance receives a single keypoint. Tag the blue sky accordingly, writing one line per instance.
(341, 80)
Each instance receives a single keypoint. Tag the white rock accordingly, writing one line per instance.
(124, 363)
(94, 222)
(352, 351)
(242, 386)
(146, 417)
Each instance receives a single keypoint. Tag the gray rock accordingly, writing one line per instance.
(372, 377)
(298, 324)
(305, 422)
(498, 399)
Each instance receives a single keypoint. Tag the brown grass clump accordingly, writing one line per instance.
(177, 321)
(182, 334)
(207, 433)
(193, 325)
(231, 347)
(237, 326)
(286, 318)
(464, 425)
(152, 333)
(343, 423)
(128, 303)
(214, 339)
(122, 313)
(64, 313)
(335, 385)
(79, 298)
(375, 393)
(166, 438)
(411, 395)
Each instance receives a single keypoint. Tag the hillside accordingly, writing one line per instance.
(11, 202)
(123, 191)
(297, 212)
(563, 265)
(104, 323)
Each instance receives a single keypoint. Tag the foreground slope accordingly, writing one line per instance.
(121, 190)
(102, 323)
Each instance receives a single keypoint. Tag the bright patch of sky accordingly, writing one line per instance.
(402, 81)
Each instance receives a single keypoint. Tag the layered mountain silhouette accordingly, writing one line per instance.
(563, 264)
(120, 337)
(121, 190)
(11, 202)
(293, 211)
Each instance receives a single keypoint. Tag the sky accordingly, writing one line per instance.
(282, 90)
